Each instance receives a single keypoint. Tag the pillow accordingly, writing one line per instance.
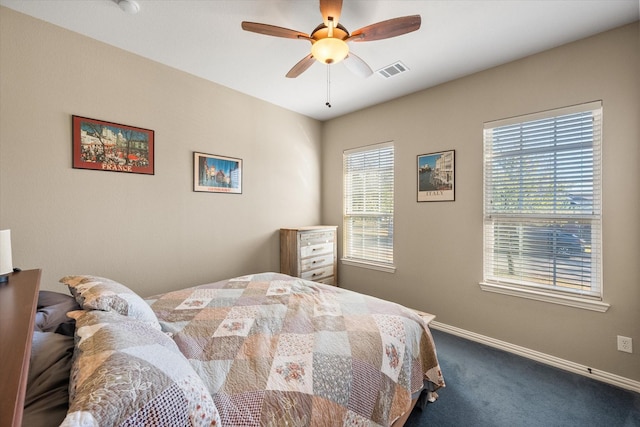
(51, 314)
(99, 293)
(47, 396)
(127, 373)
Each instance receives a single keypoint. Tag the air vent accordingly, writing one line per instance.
(392, 70)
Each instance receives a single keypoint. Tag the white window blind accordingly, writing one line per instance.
(368, 204)
(542, 206)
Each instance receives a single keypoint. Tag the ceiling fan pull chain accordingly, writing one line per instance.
(328, 103)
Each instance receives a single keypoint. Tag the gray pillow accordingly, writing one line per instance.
(51, 314)
(47, 396)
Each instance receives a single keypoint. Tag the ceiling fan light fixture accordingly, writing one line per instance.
(330, 50)
(129, 6)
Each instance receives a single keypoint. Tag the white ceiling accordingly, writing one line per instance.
(457, 38)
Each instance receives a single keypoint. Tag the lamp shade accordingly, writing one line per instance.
(330, 50)
(6, 263)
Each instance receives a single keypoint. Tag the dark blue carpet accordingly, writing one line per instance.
(493, 388)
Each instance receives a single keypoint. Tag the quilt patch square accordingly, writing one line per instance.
(234, 326)
(266, 326)
(208, 314)
(386, 396)
(355, 420)
(212, 372)
(192, 303)
(281, 408)
(326, 413)
(366, 379)
(258, 346)
(361, 345)
(279, 287)
(297, 322)
(276, 311)
(292, 373)
(390, 325)
(360, 323)
(328, 323)
(332, 377)
(240, 409)
(392, 357)
(248, 375)
(295, 344)
(243, 311)
(195, 338)
(224, 347)
(332, 342)
(255, 297)
(327, 308)
(227, 293)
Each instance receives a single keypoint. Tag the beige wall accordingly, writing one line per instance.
(438, 246)
(151, 232)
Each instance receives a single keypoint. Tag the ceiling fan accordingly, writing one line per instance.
(329, 39)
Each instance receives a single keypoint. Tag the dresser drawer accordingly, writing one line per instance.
(317, 274)
(313, 250)
(311, 238)
(315, 262)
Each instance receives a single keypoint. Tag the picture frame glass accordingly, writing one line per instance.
(107, 146)
(217, 174)
(436, 177)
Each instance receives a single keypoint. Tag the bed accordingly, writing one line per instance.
(258, 350)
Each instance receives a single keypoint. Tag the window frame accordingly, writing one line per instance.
(382, 256)
(494, 219)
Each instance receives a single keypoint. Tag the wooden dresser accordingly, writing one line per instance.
(18, 300)
(310, 253)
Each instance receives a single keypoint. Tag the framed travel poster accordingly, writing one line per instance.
(436, 177)
(107, 146)
(217, 174)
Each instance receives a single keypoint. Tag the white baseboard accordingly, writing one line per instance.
(547, 359)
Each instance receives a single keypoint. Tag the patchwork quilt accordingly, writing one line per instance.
(276, 350)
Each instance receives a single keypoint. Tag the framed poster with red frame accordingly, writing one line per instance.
(107, 146)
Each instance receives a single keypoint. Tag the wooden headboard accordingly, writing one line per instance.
(18, 300)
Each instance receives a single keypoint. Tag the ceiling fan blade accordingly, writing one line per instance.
(272, 30)
(357, 66)
(301, 66)
(386, 29)
(331, 8)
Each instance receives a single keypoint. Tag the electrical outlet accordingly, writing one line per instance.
(625, 344)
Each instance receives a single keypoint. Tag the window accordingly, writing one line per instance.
(542, 206)
(368, 206)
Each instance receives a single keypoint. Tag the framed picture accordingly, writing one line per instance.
(217, 174)
(112, 147)
(436, 177)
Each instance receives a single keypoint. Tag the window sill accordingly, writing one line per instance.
(567, 300)
(370, 265)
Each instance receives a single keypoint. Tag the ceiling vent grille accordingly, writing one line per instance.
(392, 70)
